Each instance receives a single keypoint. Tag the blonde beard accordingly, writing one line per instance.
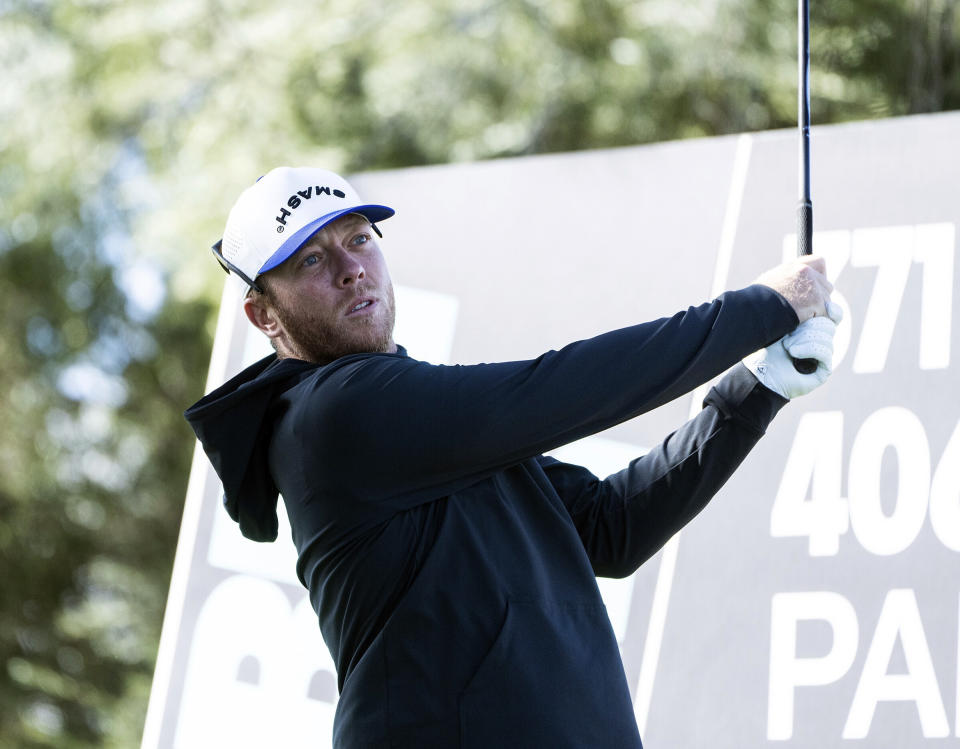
(311, 338)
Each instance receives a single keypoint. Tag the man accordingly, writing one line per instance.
(452, 566)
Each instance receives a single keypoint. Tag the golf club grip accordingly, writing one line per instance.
(805, 247)
(804, 228)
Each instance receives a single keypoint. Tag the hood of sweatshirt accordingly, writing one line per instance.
(232, 424)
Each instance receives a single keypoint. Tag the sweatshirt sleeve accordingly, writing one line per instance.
(387, 425)
(626, 518)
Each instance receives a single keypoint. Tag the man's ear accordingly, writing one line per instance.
(262, 315)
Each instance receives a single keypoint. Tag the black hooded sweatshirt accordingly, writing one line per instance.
(451, 565)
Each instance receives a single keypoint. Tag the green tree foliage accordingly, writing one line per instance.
(127, 129)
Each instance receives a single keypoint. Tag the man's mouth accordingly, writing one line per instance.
(361, 305)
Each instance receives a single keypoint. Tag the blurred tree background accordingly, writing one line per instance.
(128, 128)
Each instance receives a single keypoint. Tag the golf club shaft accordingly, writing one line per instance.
(805, 208)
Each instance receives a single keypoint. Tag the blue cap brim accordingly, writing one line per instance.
(295, 241)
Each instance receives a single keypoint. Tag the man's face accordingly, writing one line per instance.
(332, 298)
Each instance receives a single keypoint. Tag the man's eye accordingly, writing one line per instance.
(361, 239)
(311, 260)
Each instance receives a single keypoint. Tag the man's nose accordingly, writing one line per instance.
(350, 270)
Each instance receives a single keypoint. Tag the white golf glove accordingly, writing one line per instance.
(813, 339)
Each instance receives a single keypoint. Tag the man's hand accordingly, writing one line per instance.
(802, 282)
(813, 339)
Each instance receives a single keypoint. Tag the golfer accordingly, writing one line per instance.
(451, 564)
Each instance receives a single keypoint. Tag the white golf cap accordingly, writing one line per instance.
(276, 215)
